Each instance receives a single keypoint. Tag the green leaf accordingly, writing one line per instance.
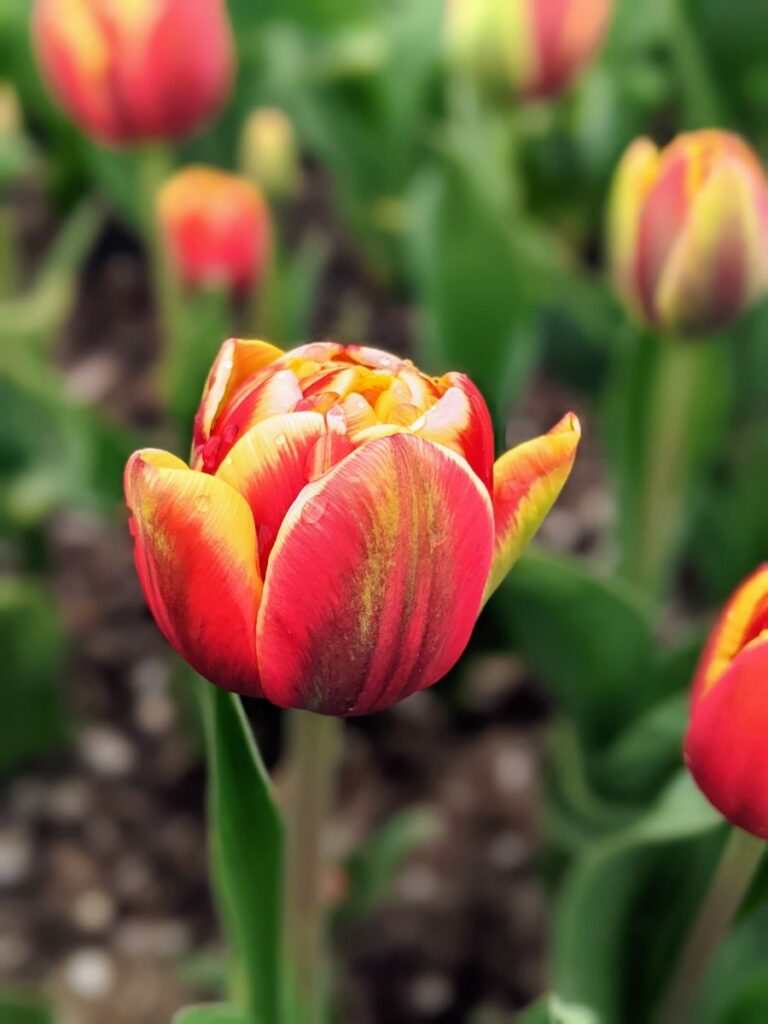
(590, 639)
(31, 706)
(213, 1014)
(246, 841)
(22, 1009)
(594, 906)
(552, 1010)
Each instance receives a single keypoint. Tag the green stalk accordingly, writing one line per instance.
(155, 166)
(9, 276)
(666, 398)
(738, 864)
(314, 748)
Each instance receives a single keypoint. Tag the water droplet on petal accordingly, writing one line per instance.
(230, 433)
(202, 502)
(280, 440)
(133, 527)
(314, 510)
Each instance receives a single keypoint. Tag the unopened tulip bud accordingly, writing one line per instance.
(10, 112)
(340, 526)
(536, 48)
(270, 154)
(131, 71)
(726, 741)
(688, 231)
(216, 228)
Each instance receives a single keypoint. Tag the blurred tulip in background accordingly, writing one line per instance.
(688, 231)
(131, 72)
(269, 152)
(535, 47)
(216, 228)
(341, 523)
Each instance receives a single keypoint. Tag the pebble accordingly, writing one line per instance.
(106, 751)
(93, 910)
(431, 993)
(15, 857)
(513, 771)
(89, 974)
(418, 884)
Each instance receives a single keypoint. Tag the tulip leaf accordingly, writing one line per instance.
(597, 897)
(213, 1014)
(589, 638)
(22, 1009)
(552, 1010)
(246, 842)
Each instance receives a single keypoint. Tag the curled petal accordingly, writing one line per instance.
(720, 262)
(375, 580)
(725, 744)
(526, 483)
(460, 420)
(237, 360)
(270, 465)
(195, 552)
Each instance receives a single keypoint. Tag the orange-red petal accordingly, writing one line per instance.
(375, 580)
(461, 421)
(526, 483)
(196, 556)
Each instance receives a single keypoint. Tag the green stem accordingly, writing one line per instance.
(155, 165)
(738, 864)
(9, 277)
(314, 747)
(663, 469)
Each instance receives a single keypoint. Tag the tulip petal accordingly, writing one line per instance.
(375, 580)
(526, 483)
(269, 466)
(725, 744)
(632, 184)
(460, 420)
(720, 261)
(195, 552)
(237, 360)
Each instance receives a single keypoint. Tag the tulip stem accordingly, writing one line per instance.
(155, 164)
(314, 748)
(738, 864)
(671, 375)
(8, 266)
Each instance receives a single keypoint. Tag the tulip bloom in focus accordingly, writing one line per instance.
(535, 47)
(725, 748)
(216, 228)
(340, 525)
(131, 71)
(688, 231)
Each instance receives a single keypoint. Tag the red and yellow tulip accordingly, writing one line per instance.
(725, 744)
(216, 228)
(131, 71)
(339, 527)
(688, 231)
(535, 47)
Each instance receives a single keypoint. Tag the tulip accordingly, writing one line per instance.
(216, 228)
(138, 71)
(688, 231)
(339, 527)
(726, 740)
(269, 152)
(534, 47)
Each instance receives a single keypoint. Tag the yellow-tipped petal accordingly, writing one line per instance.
(633, 181)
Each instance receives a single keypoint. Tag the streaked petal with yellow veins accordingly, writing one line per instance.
(632, 183)
(720, 262)
(196, 556)
(375, 580)
(526, 483)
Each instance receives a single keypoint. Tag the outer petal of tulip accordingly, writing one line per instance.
(375, 580)
(237, 360)
(269, 466)
(566, 34)
(632, 184)
(461, 421)
(196, 556)
(526, 483)
(720, 263)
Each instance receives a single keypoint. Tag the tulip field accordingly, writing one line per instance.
(383, 512)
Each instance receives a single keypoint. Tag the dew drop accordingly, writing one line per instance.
(281, 440)
(230, 433)
(314, 510)
(202, 503)
(133, 527)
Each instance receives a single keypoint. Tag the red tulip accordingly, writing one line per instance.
(131, 71)
(726, 741)
(534, 47)
(216, 228)
(688, 231)
(341, 523)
